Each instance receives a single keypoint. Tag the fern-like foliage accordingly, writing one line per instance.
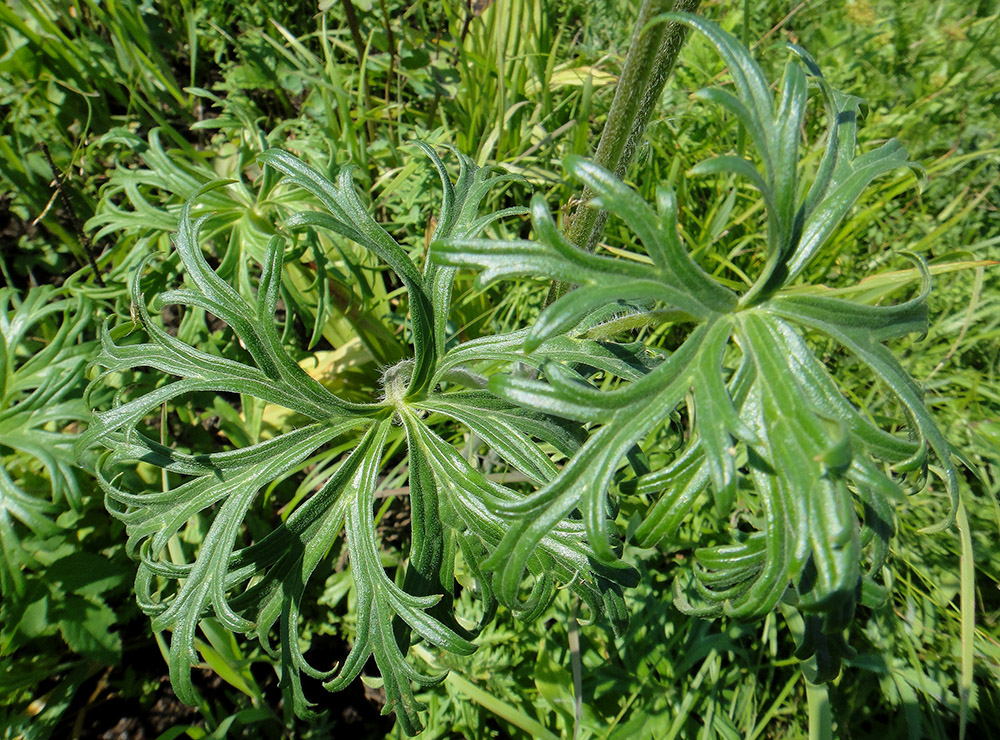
(807, 478)
(255, 585)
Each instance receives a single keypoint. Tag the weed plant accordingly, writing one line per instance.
(708, 492)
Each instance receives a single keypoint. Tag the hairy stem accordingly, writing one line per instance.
(650, 60)
(651, 57)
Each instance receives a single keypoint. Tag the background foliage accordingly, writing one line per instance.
(116, 113)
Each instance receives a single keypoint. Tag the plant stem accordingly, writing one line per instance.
(515, 715)
(576, 664)
(650, 60)
(651, 57)
(967, 600)
(60, 186)
(352, 23)
(820, 718)
(368, 130)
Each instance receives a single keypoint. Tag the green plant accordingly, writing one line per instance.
(60, 574)
(42, 364)
(521, 83)
(253, 586)
(807, 478)
(67, 72)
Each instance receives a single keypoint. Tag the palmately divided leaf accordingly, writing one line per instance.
(251, 570)
(773, 437)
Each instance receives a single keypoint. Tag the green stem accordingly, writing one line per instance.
(741, 133)
(650, 60)
(577, 665)
(820, 717)
(651, 57)
(368, 130)
(516, 716)
(967, 600)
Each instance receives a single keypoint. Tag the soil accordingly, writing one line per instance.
(134, 701)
